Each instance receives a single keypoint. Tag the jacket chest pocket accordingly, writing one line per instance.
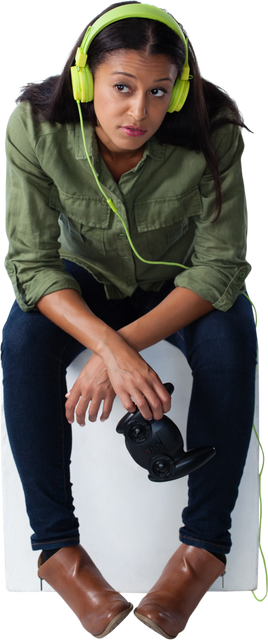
(85, 219)
(162, 223)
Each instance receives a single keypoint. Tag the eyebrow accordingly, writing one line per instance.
(129, 75)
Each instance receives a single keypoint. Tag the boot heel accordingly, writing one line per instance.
(39, 564)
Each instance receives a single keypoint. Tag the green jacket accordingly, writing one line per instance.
(55, 210)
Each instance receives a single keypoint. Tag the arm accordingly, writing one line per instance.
(177, 310)
(116, 367)
(68, 310)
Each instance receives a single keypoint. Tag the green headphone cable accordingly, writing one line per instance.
(112, 205)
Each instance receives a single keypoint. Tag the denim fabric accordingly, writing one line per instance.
(221, 351)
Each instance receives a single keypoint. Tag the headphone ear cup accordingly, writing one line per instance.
(179, 94)
(82, 83)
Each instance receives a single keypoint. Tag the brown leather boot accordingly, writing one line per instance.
(185, 579)
(75, 577)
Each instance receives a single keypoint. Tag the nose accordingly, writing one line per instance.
(138, 107)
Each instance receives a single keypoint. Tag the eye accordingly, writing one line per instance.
(163, 91)
(119, 86)
(124, 86)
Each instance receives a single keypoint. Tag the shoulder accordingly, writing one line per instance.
(22, 119)
(24, 124)
(21, 112)
(226, 136)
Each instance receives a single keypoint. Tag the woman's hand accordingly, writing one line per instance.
(136, 383)
(91, 388)
(127, 375)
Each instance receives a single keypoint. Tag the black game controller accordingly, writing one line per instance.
(157, 445)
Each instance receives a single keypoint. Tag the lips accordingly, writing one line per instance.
(133, 132)
(126, 126)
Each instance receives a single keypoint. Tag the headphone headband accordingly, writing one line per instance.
(82, 79)
(129, 11)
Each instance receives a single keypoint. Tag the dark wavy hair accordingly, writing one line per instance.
(52, 100)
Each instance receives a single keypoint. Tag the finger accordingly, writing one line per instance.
(70, 404)
(94, 409)
(150, 404)
(127, 402)
(164, 397)
(102, 393)
(156, 395)
(107, 406)
(142, 404)
(81, 408)
(161, 392)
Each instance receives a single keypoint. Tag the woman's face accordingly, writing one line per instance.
(132, 93)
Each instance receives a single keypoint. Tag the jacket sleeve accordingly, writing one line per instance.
(33, 262)
(219, 265)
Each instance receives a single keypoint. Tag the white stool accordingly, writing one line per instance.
(128, 524)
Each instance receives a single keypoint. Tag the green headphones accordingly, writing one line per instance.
(82, 79)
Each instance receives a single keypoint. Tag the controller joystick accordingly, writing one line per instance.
(157, 445)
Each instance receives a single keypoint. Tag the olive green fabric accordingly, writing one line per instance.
(55, 210)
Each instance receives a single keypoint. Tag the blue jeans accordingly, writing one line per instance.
(221, 351)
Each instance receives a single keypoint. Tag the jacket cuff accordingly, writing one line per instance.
(43, 283)
(215, 290)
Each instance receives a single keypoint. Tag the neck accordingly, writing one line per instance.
(118, 155)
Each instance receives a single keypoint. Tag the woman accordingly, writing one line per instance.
(174, 177)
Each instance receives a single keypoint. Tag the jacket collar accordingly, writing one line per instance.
(153, 148)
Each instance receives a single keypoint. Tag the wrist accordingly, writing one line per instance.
(110, 346)
(129, 335)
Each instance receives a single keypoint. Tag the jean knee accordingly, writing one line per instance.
(223, 340)
(20, 333)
